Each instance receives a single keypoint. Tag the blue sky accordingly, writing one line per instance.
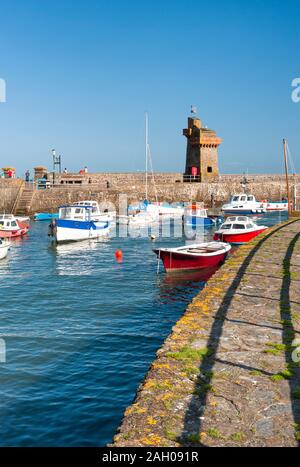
(81, 74)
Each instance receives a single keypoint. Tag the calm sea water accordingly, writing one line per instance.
(80, 332)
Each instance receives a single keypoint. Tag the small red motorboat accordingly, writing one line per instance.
(193, 257)
(238, 230)
(11, 227)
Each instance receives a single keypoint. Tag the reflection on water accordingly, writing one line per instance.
(182, 285)
(77, 258)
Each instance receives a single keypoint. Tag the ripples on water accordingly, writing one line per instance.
(80, 332)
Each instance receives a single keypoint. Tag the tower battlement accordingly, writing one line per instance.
(202, 152)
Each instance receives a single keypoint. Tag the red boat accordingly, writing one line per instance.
(193, 257)
(11, 227)
(238, 230)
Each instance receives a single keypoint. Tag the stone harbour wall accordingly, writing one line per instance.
(8, 192)
(168, 187)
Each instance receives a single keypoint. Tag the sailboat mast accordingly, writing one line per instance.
(287, 175)
(146, 152)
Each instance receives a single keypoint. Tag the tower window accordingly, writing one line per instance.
(209, 169)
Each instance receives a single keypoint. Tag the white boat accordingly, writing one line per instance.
(161, 209)
(4, 247)
(243, 204)
(138, 219)
(96, 213)
(277, 206)
(75, 223)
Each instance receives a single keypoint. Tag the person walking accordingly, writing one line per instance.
(27, 176)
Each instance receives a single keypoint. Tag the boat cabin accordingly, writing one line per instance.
(242, 198)
(8, 221)
(238, 223)
(75, 212)
(93, 204)
(195, 211)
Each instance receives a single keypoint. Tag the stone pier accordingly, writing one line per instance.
(229, 373)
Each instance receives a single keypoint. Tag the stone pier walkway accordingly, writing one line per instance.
(229, 373)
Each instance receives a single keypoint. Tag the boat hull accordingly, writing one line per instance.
(74, 231)
(243, 211)
(238, 238)
(276, 207)
(195, 221)
(13, 233)
(45, 216)
(3, 251)
(174, 262)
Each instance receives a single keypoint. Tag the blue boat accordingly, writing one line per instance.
(198, 217)
(45, 216)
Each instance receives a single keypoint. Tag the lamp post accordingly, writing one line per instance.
(56, 162)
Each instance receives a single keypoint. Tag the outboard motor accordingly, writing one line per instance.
(52, 228)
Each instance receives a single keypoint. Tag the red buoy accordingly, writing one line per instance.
(119, 255)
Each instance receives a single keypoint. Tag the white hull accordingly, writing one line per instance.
(276, 207)
(139, 220)
(243, 210)
(164, 210)
(66, 234)
(107, 217)
(3, 251)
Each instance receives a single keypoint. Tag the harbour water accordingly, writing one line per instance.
(80, 332)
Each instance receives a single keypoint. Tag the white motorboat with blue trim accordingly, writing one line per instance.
(76, 223)
(244, 204)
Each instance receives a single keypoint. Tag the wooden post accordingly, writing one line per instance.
(287, 177)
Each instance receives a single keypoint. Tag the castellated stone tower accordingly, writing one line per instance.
(201, 153)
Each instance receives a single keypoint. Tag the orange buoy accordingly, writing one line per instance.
(119, 255)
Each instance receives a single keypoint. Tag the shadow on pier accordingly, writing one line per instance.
(198, 403)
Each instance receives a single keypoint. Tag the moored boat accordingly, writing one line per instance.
(277, 206)
(4, 247)
(196, 216)
(243, 204)
(11, 227)
(193, 257)
(163, 209)
(45, 216)
(96, 213)
(238, 230)
(75, 223)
